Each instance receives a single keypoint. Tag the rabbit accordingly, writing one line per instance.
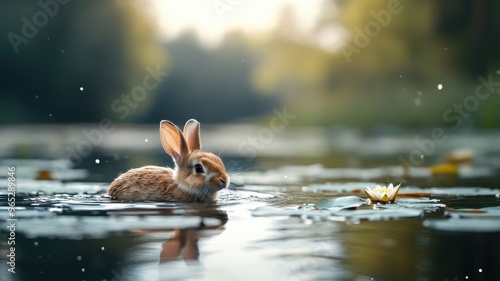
(197, 177)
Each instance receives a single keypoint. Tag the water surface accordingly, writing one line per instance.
(68, 229)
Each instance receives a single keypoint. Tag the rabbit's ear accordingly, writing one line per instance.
(173, 141)
(192, 134)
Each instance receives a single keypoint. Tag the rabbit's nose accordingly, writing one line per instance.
(224, 183)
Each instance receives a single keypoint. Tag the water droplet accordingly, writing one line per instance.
(83, 269)
(48, 38)
(285, 177)
(81, 88)
(50, 114)
(440, 86)
(418, 102)
(146, 140)
(498, 71)
(422, 156)
(466, 277)
(446, 49)
(79, 258)
(102, 248)
(419, 93)
(242, 60)
(480, 270)
(36, 96)
(62, 51)
(400, 76)
(97, 161)
(35, 243)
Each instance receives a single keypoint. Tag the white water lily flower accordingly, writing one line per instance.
(383, 194)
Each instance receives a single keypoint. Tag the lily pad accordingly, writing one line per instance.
(340, 203)
(339, 209)
(344, 187)
(464, 225)
(488, 212)
(379, 214)
(73, 227)
(30, 186)
(450, 191)
(464, 191)
(425, 204)
(302, 212)
(422, 200)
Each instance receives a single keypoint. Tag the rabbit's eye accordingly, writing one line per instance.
(198, 168)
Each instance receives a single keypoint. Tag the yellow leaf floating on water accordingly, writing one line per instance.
(445, 169)
(44, 175)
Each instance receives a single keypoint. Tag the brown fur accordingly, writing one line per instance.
(142, 184)
(182, 184)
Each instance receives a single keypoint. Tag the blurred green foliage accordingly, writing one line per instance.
(102, 46)
(390, 68)
(394, 56)
(211, 85)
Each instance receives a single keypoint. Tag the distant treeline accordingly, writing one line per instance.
(419, 63)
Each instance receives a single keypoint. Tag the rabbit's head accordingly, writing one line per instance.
(197, 172)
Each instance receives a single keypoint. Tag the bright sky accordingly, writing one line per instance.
(211, 19)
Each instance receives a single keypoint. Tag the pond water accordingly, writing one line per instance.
(300, 215)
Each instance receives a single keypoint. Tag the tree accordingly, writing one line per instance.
(393, 56)
(212, 85)
(102, 47)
